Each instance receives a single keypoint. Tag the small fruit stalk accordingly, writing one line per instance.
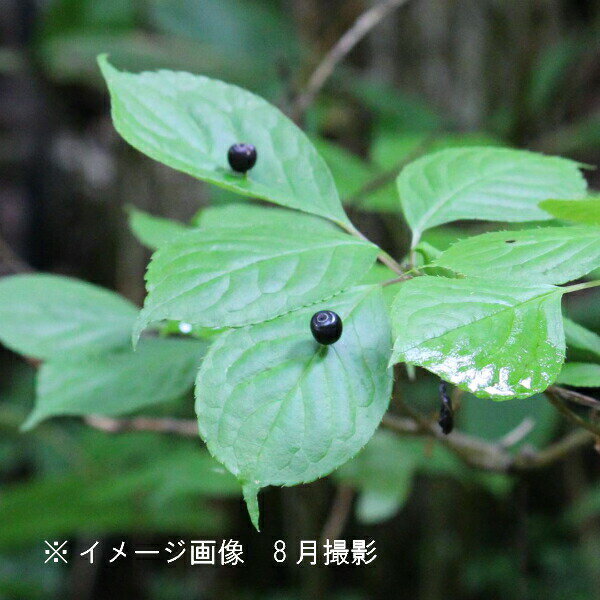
(326, 327)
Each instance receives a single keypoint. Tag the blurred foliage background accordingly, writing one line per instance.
(434, 74)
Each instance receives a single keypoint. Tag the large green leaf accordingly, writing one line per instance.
(494, 339)
(493, 184)
(580, 375)
(278, 409)
(581, 338)
(116, 383)
(43, 316)
(189, 122)
(582, 211)
(224, 277)
(154, 231)
(546, 255)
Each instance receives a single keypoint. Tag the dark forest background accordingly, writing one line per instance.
(523, 73)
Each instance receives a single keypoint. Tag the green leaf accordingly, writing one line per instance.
(278, 409)
(245, 214)
(225, 277)
(189, 122)
(494, 339)
(582, 211)
(581, 338)
(546, 255)
(116, 383)
(42, 316)
(493, 184)
(153, 231)
(580, 375)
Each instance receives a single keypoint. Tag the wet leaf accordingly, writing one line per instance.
(493, 339)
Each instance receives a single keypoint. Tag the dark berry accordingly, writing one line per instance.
(242, 157)
(326, 327)
(446, 420)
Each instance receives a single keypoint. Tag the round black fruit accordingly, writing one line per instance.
(241, 157)
(326, 327)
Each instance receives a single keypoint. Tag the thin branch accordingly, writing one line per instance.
(576, 397)
(570, 415)
(183, 427)
(356, 199)
(512, 438)
(361, 27)
(528, 460)
(383, 256)
(398, 279)
(339, 514)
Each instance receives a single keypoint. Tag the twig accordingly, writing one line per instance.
(490, 456)
(361, 27)
(398, 279)
(512, 438)
(339, 513)
(356, 199)
(183, 427)
(569, 414)
(529, 460)
(576, 397)
(383, 257)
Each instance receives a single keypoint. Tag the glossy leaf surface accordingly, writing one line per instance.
(493, 339)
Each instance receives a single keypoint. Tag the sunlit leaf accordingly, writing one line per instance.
(154, 231)
(494, 339)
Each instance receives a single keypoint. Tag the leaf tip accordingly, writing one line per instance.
(250, 491)
(31, 421)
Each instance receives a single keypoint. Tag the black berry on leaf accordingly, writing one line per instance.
(446, 420)
(326, 327)
(242, 157)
